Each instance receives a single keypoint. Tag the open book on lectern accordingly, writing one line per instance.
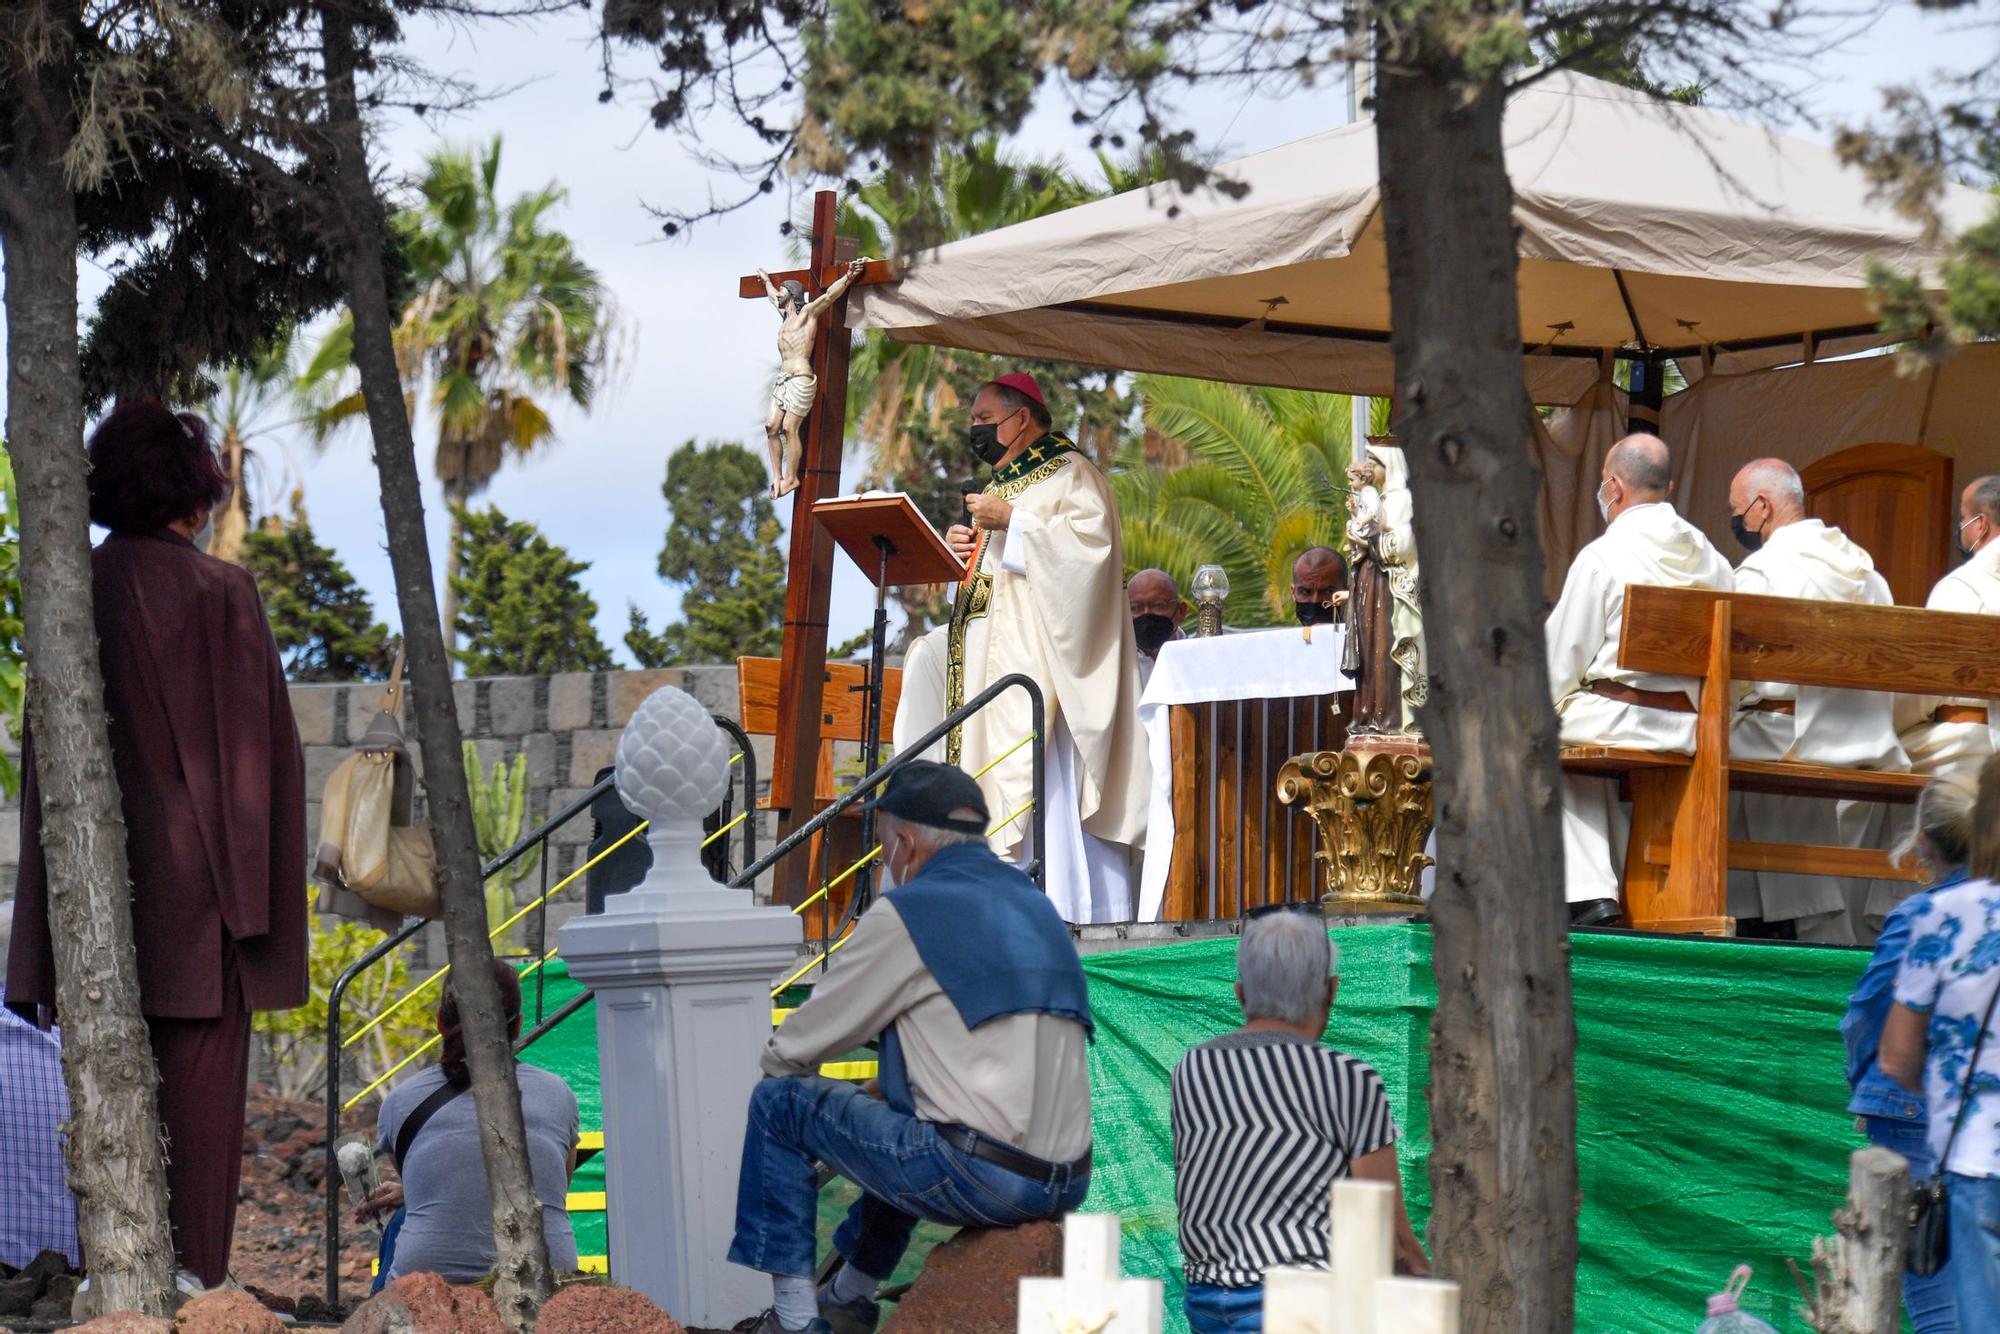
(865, 524)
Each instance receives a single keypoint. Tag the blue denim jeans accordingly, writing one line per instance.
(1218, 1310)
(1975, 1249)
(1928, 1301)
(905, 1171)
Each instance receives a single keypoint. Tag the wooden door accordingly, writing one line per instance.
(1897, 502)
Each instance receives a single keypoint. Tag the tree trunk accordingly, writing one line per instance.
(1858, 1272)
(116, 1167)
(524, 1280)
(233, 524)
(456, 497)
(1503, 1093)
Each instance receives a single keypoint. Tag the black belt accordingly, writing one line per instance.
(975, 1145)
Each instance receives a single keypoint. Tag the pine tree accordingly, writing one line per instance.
(725, 548)
(521, 611)
(321, 618)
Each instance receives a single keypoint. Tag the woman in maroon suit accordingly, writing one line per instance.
(213, 791)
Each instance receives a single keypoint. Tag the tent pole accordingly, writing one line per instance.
(1642, 411)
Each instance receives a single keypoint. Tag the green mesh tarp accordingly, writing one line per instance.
(1709, 1092)
(570, 1050)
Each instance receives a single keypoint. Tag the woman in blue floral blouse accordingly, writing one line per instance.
(1893, 1116)
(1939, 1038)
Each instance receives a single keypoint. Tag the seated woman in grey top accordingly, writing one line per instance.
(447, 1226)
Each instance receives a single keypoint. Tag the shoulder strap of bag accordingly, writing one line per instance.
(406, 1134)
(1965, 1091)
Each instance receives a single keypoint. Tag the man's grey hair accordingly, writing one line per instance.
(1986, 497)
(1778, 479)
(1282, 965)
(929, 837)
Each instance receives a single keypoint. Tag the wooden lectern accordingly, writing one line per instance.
(889, 539)
(894, 545)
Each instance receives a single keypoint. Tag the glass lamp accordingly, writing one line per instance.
(1210, 590)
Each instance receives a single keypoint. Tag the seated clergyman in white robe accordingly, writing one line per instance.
(1792, 556)
(1044, 596)
(1956, 735)
(1599, 703)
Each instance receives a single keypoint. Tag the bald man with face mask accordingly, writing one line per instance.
(1599, 703)
(1795, 556)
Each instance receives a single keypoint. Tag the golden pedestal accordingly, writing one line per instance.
(1371, 803)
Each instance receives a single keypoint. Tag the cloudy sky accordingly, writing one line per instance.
(698, 359)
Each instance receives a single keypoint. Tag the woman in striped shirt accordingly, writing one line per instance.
(1265, 1119)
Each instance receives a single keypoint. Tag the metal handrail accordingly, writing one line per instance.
(1014, 681)
(540, 834)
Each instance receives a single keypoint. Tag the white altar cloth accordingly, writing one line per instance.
(1260, 664)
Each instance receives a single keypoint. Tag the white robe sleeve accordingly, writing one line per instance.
(1014, 555)
(1576, 627)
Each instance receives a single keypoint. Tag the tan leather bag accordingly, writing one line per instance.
(367, 844)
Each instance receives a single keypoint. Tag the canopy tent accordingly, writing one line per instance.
(1642, 224)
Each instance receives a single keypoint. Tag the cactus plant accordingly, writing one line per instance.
(499, 810)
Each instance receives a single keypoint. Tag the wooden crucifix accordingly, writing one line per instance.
(809, 570)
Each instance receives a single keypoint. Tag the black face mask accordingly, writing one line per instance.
(1314, 613)
(1151, 631)
(1749, 537)
(986, 443)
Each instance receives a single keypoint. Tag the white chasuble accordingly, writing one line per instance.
(1853, 729)
(1646, 544)
(1958, 746)
(1045, 598)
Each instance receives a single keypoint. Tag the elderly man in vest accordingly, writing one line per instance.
(1956, 735)
(1599, 703)
(982, 1117)
(1792, 556)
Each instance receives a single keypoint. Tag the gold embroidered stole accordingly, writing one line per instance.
(1047, 457)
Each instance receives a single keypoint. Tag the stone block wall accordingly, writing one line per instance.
(567, 726)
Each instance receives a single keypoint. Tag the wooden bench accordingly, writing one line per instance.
(1677, 863)
(843, 717)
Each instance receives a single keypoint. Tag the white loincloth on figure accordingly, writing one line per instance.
(794, 393)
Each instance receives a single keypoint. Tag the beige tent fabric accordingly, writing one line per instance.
(1569, 446)
(1728, 233)
(1804, 413)
(1244, 356)
(1798, 413)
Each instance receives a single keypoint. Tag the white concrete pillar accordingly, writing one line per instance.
(682, 968)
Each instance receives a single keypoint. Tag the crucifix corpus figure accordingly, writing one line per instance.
(792, 393)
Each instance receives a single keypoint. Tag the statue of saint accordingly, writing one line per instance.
(796, 387)
(1385, 629)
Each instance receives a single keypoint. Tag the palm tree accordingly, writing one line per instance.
(905, 399)
(254, 398)
(504, 311)
(1265, 477)
(978, 190)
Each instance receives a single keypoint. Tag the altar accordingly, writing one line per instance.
(1222, 715)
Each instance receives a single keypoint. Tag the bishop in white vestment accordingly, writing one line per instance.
(1957, 735)
(1599, 703)
(1792, 556)
(1043, 596)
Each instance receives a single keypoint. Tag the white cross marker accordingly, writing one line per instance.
(1091, 1297)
